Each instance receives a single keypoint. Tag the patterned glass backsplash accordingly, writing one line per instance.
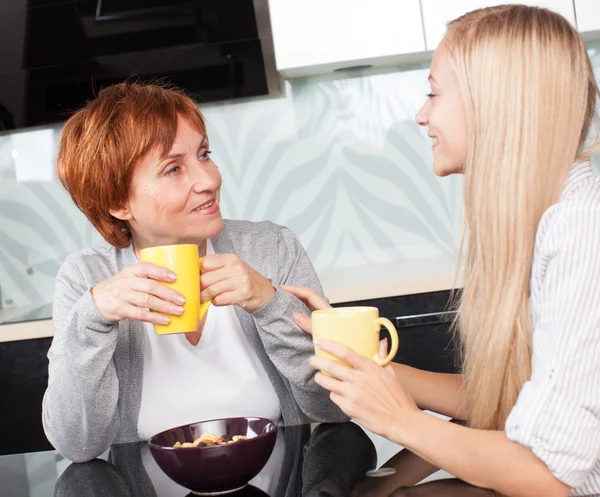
(339, 160)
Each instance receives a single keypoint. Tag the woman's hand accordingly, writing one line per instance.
(311, 299)
(227, 280)
(371, 395)
(135, 292)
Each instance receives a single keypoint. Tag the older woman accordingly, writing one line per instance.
(136, 161)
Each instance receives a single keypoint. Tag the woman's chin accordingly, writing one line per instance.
(442, 168)
(195, 233)
(210, 228)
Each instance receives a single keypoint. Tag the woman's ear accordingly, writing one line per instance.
(123, 213)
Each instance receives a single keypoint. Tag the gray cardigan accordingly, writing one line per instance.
(96, 367)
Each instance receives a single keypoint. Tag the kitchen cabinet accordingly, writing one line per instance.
(588, 15)
(317, 36)
(437, 13)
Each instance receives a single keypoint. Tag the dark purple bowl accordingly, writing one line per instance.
(212, 469)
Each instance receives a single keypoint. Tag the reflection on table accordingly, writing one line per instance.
(327, 461)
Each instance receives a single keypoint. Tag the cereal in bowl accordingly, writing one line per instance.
(210, 439)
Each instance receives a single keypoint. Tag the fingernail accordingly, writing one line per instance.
(181, 299)
(172, 275)
(317, 342)
(298, 317)
(165, 319)
(179, 310)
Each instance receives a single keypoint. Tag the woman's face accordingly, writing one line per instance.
(444, 115)
(175, 199)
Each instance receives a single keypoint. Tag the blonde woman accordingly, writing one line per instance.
(512, 102)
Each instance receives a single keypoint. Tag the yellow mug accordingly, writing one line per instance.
(355, 327)
(183, 260)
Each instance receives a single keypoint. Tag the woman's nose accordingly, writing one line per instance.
(207, 179)
(421, 117)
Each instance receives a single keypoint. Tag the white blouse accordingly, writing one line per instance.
(557, 414)
(220, 377)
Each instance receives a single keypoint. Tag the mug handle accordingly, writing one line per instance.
(205, 305)
(394, 336)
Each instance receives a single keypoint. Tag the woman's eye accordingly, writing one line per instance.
(173, 170)
(430, 95)
(206, 155)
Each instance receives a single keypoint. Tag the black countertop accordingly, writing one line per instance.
(327, 461)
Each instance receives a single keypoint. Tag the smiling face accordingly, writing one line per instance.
(174, 199)
(444, 116)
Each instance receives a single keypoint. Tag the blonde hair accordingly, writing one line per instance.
(530, 96)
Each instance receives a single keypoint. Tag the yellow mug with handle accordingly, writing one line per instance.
(183, 260)
(355, 327)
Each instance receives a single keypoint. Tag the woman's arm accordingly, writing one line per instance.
(288, 347)
(482, 458)
(375, 398)
(437, 392)
(79, 410)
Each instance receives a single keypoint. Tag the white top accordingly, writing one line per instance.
(220, 377)
(557, 413)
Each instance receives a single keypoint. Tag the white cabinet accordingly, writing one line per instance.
(588, 15)
(437, 13)
(317, 36)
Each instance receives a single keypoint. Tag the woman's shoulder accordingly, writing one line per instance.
(262, 235)
(261, 244)
(97, 263)
(578, 210)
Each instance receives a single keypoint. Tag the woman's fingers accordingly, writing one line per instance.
(303, 322)
(151, 287)
(141, 314)
(222, 299)
(307, 295)
(218, 274)
(220, 287)
(339, 371)
(152, 271)
(347, 355)
(148, 301)
(328, 383)
(383, 348)
(213, 262)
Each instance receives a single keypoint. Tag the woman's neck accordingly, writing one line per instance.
(139, 245)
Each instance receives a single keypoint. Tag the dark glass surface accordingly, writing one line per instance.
(327, 462)
(55, 55)
(317, 463)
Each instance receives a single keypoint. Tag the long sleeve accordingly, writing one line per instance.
(288, 347)
(557, 414)
(79, 410)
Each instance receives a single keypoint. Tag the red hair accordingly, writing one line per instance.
(102, 142)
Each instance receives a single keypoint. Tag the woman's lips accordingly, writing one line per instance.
(208, 210)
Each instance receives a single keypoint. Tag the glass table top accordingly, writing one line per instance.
(326, 460)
